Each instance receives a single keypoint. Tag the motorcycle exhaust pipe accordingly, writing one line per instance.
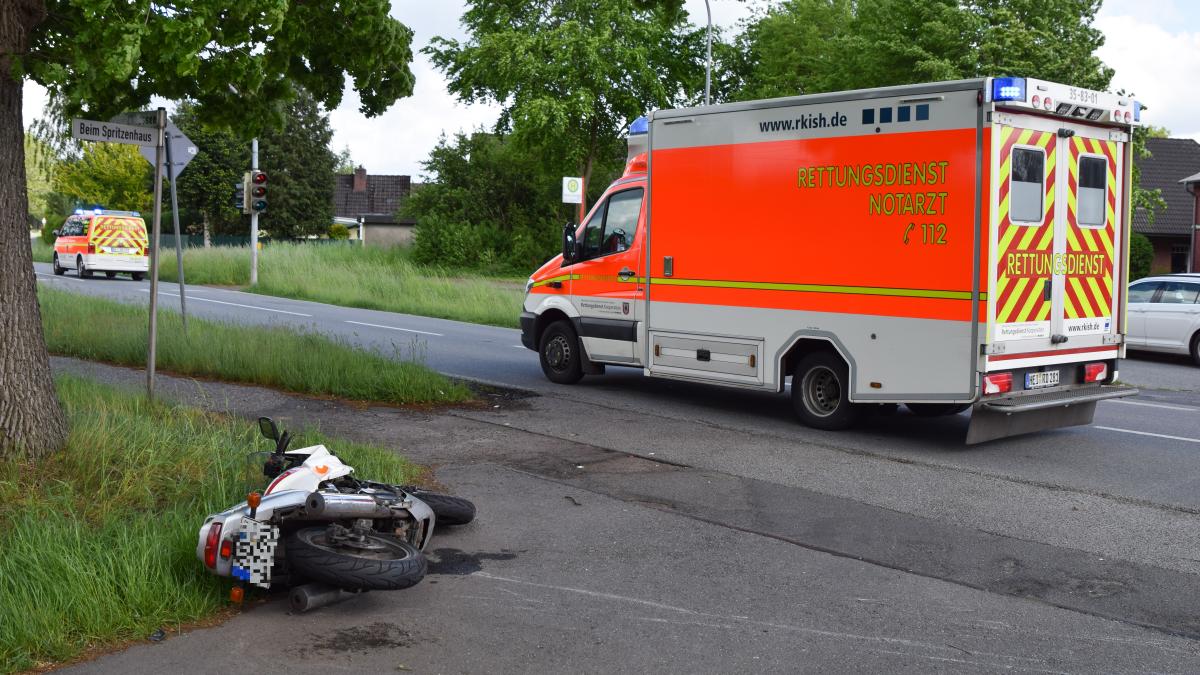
(337, 507)
(311, 596)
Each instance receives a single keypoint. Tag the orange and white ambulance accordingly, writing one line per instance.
(102, 241)
(948, 246)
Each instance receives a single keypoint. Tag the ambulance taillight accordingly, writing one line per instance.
(1095, 372)
(997, 383)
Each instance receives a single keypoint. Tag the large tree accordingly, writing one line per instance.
(300, 169)
(239, 61)
(205, 190)
(571, 74)
(107, 175)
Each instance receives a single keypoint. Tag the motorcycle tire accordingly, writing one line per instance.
(399, 565)
(449, 510)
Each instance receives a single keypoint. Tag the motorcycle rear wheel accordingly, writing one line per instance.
(449, 510)
(389, 564)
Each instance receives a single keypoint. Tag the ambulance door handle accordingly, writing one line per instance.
(668, 265)
(1048, 291)
(624, 274)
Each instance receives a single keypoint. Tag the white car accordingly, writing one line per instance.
(1164, 314)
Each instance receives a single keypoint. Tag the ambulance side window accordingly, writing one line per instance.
(613, 225)
(1028, 188)
(593, 233)
(1093, 172)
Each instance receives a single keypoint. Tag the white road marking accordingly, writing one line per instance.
(1147, 433)
(232, 304)
(1157, 405)
(406, 330)
(53, 277)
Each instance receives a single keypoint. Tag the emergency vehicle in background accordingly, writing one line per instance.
(111, 242)
(946, 246)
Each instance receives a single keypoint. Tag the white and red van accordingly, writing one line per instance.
(947, 246)
(110, 242)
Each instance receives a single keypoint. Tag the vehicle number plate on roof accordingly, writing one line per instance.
(1047, 378)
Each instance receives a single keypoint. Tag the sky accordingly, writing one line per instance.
(1154, 46)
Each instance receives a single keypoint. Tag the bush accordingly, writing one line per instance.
(442, 242)
(1141, 255)
(339, 232)
(52, 224)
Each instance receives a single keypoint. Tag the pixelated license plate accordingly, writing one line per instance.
(254, 554)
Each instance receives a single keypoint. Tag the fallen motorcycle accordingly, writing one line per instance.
(320, 530)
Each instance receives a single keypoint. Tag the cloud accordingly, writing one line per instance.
(1158, 66)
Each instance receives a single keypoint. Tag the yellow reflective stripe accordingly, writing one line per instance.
(1102, 307)
(1085, 307)
(1032, 302)
(818, 288)
(561, 277)
(1007, 311)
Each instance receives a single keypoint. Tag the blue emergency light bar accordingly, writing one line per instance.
(1008, 89)
(640, 126)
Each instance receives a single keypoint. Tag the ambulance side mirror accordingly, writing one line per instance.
(55, 233)
(569, 250)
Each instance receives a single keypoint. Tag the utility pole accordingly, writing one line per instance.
(152, 347)
(708, 65)
(253, 220)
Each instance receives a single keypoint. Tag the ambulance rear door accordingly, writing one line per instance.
(1055, 251)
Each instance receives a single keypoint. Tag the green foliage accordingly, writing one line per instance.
(43, 251)
(109, 175)
(299, 361)
(299, 166)
(344, 163)
(810, 46)
(339, 232)
(238, 61)
(39, 172)
(205, 190)
(1148, 202)
(494, 204)
(571, 74)
(80, 572)
(351, 275)
(1141, 256)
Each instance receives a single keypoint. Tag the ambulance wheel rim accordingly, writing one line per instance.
(558, 353)
(822, 391)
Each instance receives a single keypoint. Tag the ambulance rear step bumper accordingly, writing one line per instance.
(1017, 415)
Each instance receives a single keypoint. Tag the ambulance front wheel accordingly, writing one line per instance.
(560, 353)
(138, 276)
(59, 270)
(820, 392)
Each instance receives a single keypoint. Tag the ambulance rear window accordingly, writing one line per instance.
(1092, 187)
(1026, 192)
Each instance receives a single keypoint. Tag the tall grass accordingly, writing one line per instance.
(101, 330)
(355, 276)
(43, 251)
(99, 539)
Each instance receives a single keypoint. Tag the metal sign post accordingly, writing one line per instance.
(178, 240)
(152, 348)
(253, 219)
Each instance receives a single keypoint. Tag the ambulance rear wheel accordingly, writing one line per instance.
(560, 353)
(821, 392)
(110, 275)
(138, 276)
(80, 270)
(59, 270)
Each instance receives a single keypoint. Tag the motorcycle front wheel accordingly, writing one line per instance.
(449, 510)
(373, 562)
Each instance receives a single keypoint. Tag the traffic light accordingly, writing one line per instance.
(258, 191)
(241, 192)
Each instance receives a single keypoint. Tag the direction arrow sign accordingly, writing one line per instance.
(112, 132)
(182, 148)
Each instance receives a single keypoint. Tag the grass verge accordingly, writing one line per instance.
(99, 539)
(354, 276)
(102, 330)
(42, 251)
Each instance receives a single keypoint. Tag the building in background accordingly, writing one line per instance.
(367, 205)
(1173, 167)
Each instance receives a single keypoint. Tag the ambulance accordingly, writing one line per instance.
(949, 246)
(102, 241)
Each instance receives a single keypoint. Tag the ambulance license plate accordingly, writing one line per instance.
(1048, 378)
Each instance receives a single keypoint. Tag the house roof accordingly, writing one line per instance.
(378, 202)
(1170, 160)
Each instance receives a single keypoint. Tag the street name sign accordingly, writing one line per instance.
(111, 132)
(182, 148)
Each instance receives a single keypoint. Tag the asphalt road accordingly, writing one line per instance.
(1098, 521)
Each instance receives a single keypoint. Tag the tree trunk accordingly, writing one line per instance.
(207, 231)
(32, 422)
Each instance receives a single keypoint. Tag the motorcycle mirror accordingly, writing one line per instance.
(267, 426)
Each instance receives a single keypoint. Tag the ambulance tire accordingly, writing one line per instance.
(110, 275)
(59, 270)
(83, 272)
(137, 276)
(820, 392)
(560, 353)
(1196, 348)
